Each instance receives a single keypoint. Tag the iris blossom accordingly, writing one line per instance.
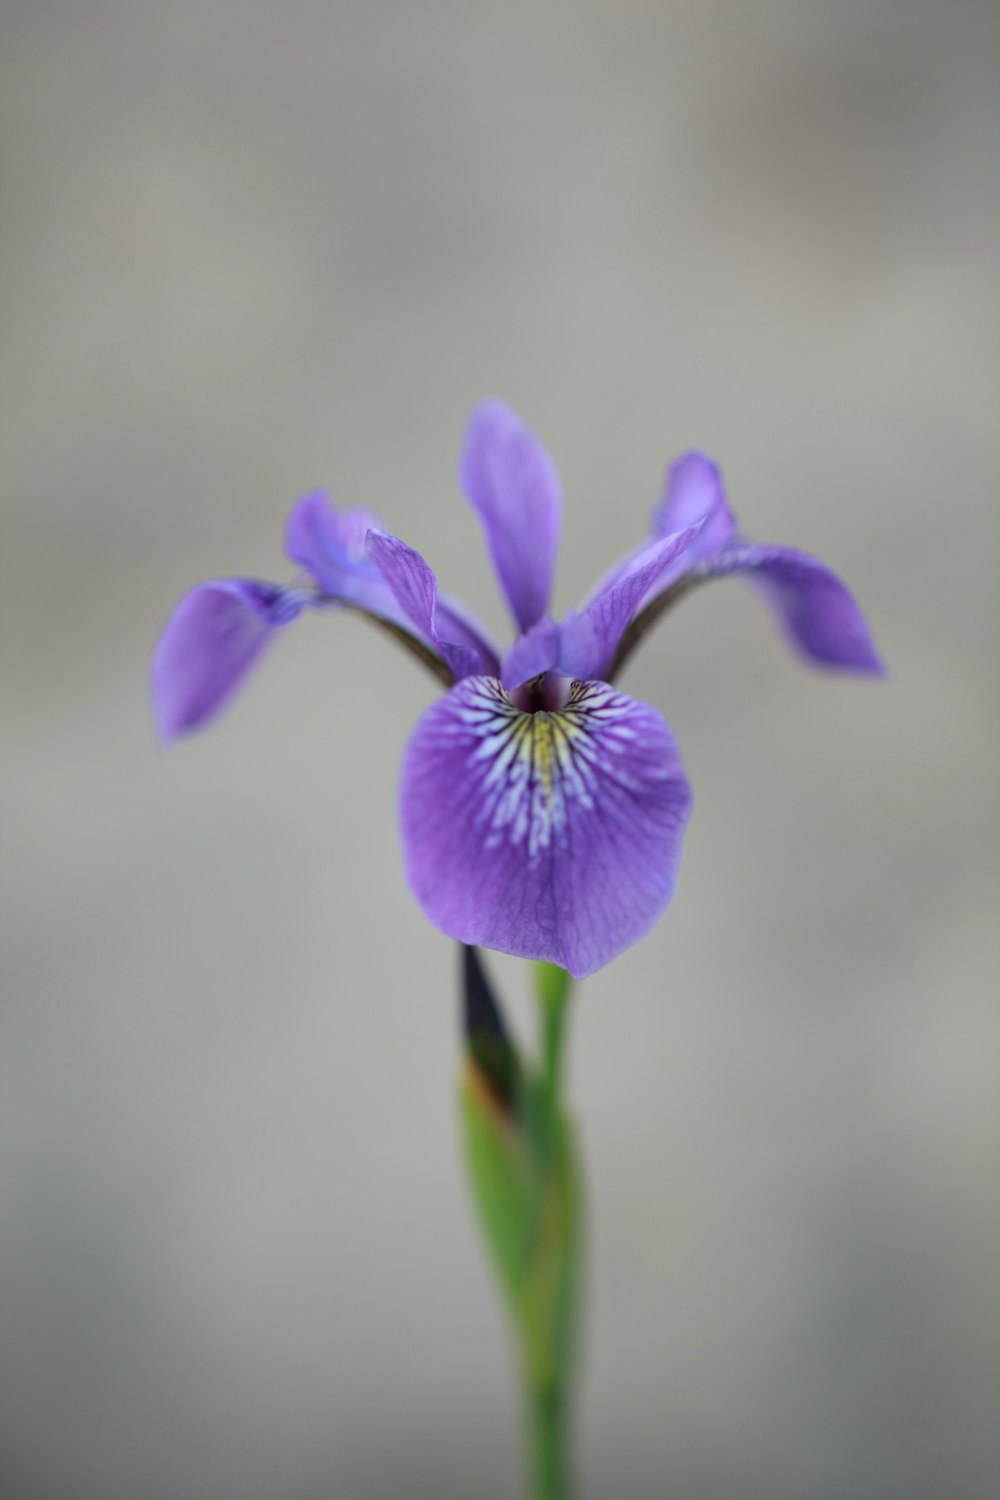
(542, 810)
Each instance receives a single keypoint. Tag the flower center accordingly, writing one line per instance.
(547, 693)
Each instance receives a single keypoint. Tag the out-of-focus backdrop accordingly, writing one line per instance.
(249, 249)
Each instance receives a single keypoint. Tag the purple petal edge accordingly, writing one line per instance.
(817, 612)
(215, 637)
(590, 639)
(693, 495)
(537, 651)
(513, 486)
(414, 588)
(694, 491)
(330, 546)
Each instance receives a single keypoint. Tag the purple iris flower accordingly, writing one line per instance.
(542, 810)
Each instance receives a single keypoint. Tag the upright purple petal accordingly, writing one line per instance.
(817, 612)
(536, 651)
(455, 623)
(512, 484)
(414, 589)
(547, 835)
(694, 492)
(590, 638)
(215, 637)
(581, 654)
(330, 546)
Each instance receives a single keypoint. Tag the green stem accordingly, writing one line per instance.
(550, 1330)
(553, 1031)
(553, 986)
(549, 1479)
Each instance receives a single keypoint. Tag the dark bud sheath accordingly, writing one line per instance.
(491, 1052)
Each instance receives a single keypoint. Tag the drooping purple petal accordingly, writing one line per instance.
(547, 835)
(215, 637)
(512, 484)
(817, 612)
(694, 492)
(590, 638)
(414, 589)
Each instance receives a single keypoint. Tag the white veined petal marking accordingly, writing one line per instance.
(532, 767)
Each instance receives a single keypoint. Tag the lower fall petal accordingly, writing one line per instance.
(549, 835)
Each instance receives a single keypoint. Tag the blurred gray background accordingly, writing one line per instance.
(250, 248)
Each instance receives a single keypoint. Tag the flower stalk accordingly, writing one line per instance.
(550, 1399)
(521, 1154)
(552, 986)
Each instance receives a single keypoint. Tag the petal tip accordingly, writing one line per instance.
(690, 461)
(863, 662)
(510, 481)
(212, 641)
